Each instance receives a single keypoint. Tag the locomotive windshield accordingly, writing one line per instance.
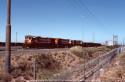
(28, 37)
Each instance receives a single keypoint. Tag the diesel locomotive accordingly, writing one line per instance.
(46, 42)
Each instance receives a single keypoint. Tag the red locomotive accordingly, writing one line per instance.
(45, 42)
(38, 42)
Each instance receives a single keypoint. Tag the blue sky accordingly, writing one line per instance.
(73, 19)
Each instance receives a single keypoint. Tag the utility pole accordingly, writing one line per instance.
(115, 40)
(8, 39)
(16, 40)
(123, 42)
(93, 37)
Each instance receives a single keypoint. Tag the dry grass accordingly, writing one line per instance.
(47, 65)
(116, 72)
(90, 52)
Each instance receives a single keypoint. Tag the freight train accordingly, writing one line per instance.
(46, 42)
(2, 44)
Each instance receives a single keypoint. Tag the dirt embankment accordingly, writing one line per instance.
(24, 66)
(116, 70)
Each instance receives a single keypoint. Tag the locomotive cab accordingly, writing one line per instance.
(28, 41)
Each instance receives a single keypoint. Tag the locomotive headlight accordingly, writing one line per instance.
(70, 42)
(29, 41)
(56, 41)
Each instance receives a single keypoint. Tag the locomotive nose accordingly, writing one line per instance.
(27, 41)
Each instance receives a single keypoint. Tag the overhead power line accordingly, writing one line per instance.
(82, 6)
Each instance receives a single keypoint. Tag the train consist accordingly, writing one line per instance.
(2, 44)
(45, 42)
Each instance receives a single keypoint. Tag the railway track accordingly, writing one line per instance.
(33, 51)
(12, 48)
